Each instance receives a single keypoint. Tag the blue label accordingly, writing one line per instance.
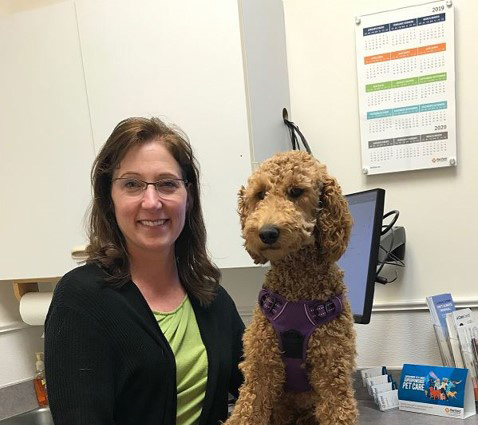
(406, 110)
(433, 106)
(403, 24)
(431, 19)
(379, 114)
(433, 385)
(376, 30)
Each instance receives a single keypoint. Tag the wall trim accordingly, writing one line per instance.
(388, 307)
(420, 305)
(21, 381)
(245, 311)
(13, 326)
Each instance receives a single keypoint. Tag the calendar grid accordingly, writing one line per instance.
(406, 83)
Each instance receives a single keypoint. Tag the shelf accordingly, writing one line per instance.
(22, 286)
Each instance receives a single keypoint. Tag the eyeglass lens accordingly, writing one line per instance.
(164, 187)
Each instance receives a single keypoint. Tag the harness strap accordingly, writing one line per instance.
(294, 322)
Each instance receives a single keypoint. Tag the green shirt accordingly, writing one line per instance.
(181, 330)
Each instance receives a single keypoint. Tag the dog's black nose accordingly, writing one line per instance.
(269, 234)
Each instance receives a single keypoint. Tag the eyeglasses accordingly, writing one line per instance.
(166, 188)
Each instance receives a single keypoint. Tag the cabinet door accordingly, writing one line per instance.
(46, 147)
(265, 64)
(180, 61)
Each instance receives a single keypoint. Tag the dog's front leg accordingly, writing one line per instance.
(264, 374)
(331, 358)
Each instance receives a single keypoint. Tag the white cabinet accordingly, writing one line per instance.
(216, 68)
(46, 147)
(71, 71)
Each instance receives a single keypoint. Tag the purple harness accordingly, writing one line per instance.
(294, 322)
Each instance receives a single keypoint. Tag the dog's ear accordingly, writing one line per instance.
(334, 221)
(241, 206)
(242, 210)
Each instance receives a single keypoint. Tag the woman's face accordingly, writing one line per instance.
(150, 221)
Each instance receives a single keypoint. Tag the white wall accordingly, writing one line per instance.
(437, 207)
(12, 6)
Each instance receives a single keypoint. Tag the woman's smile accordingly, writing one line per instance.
(152, 223)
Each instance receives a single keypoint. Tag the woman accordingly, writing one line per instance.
(143, 333)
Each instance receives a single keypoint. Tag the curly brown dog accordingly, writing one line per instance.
(294, 215)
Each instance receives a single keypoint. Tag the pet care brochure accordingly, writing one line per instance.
(436, 390)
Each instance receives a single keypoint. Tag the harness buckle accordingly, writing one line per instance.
(320, 311)
(330, 306)
(268, 302)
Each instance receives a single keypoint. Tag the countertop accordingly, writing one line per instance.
(371, 415)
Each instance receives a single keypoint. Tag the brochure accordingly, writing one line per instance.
(436, 390)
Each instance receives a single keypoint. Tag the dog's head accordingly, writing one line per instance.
(290, 202)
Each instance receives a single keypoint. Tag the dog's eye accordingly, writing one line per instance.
(295, 192)
(261, 195)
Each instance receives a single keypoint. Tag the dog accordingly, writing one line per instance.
(292, 214)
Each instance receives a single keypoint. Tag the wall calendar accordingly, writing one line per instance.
(406, 86)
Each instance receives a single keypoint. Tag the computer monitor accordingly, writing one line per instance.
(359, 261)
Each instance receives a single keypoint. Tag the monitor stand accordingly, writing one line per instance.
(392, 242)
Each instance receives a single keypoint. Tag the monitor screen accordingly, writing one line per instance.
(359, 261)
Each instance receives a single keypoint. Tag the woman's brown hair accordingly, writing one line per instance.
(107, 246)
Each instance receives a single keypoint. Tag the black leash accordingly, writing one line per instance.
(293, 131)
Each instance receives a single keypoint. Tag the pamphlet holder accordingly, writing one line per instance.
(444, 347)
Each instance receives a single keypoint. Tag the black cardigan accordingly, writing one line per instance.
(107, 361)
